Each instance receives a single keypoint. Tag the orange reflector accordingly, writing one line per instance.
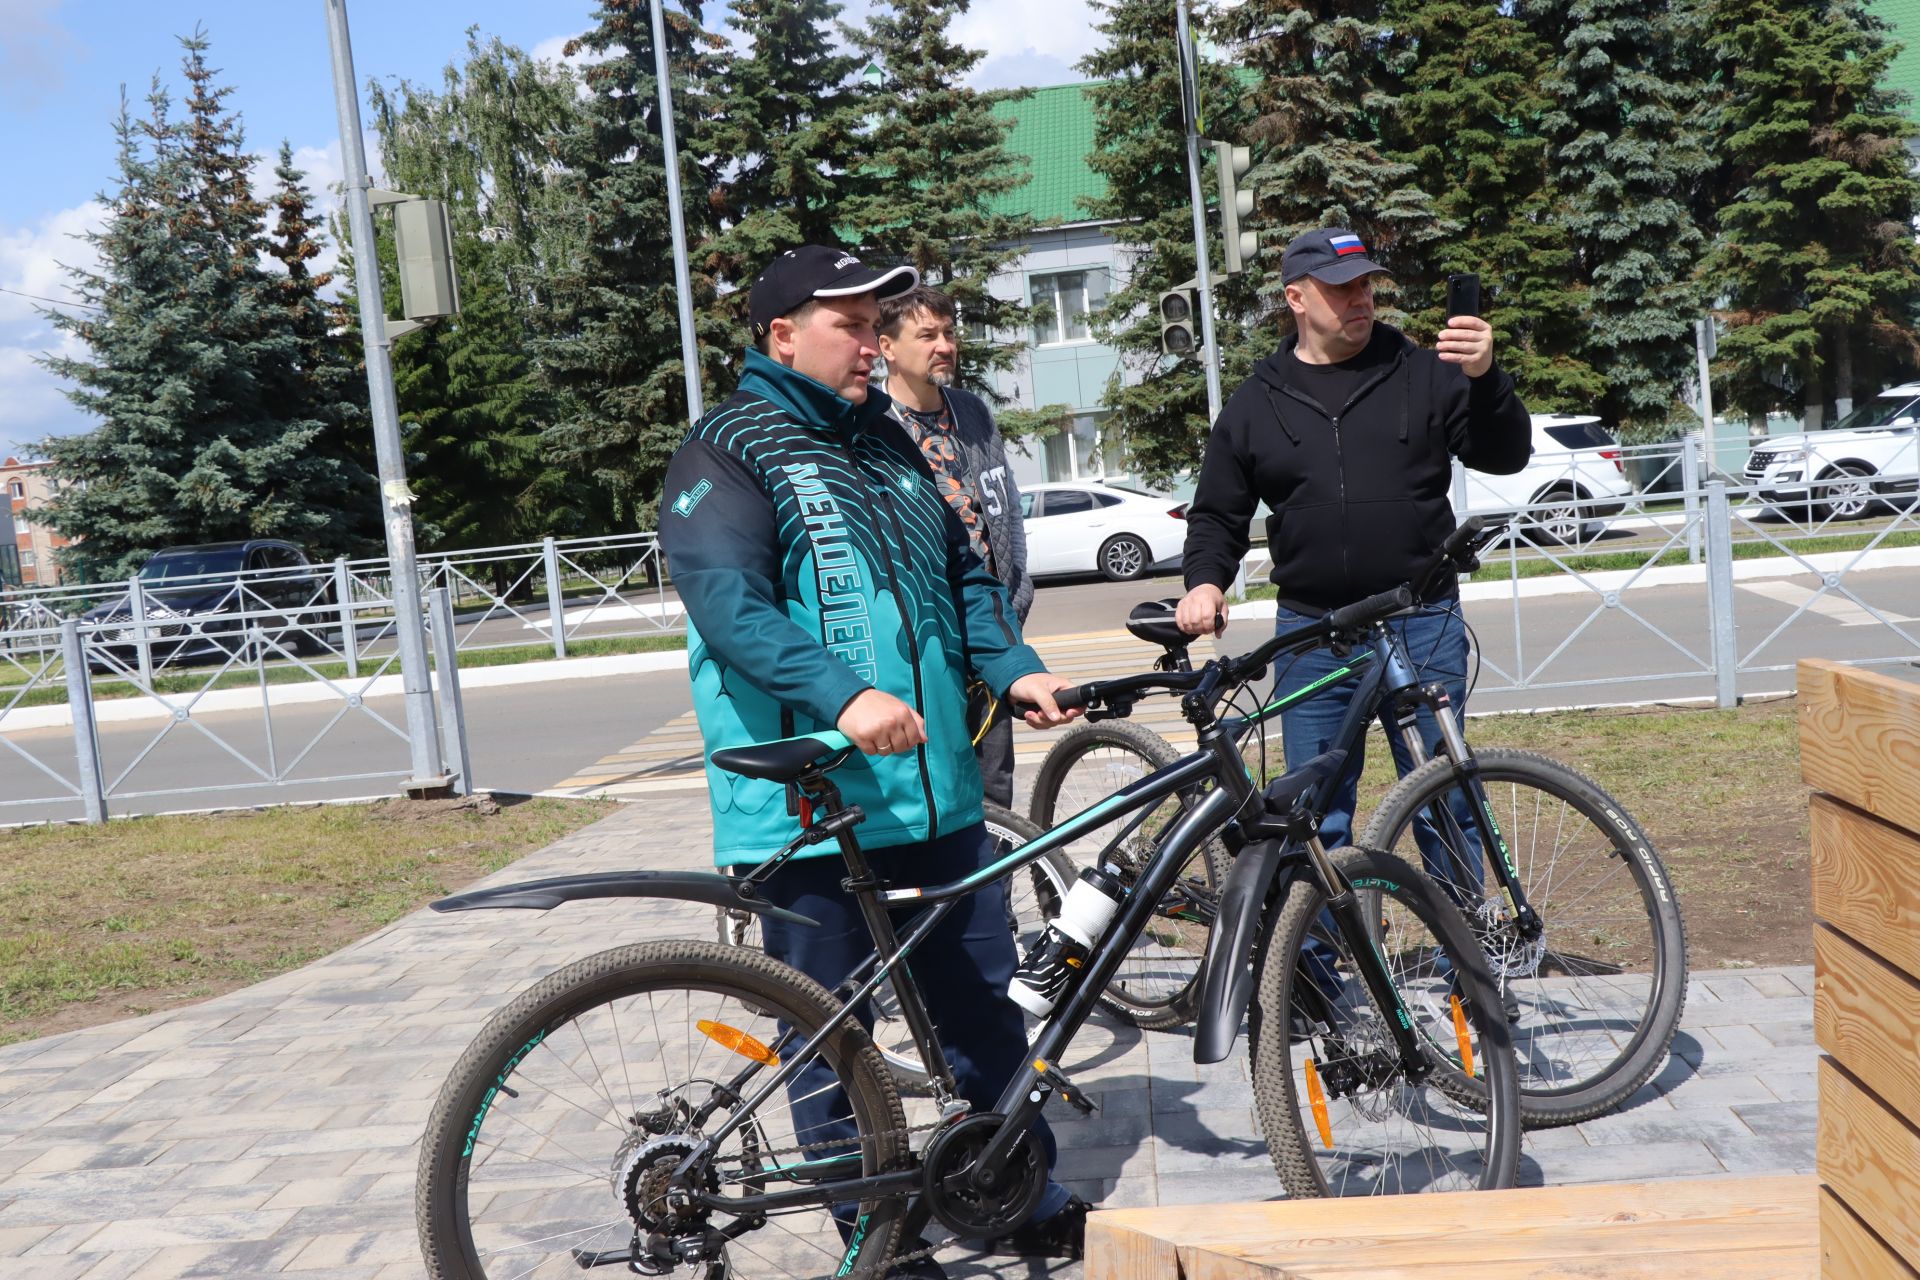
(1317, 1097)
(739, 1041)
(1461, 1034)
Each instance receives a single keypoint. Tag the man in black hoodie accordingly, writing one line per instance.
(1347, 433)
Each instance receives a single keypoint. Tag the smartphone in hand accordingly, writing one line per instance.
(1463, 295)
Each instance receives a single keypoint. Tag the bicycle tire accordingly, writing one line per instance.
(1457, 1130)
(1033, 898)
(523, 1068)
(1586, 1038)
(1154, 987)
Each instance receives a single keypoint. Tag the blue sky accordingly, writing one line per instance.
(62, 63)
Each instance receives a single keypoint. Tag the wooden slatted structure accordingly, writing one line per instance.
(1859, 1219)
(1860, 752)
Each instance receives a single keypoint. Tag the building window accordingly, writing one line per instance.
(1076, 453)
(26, 559)
(1068, 299)
(16, 488)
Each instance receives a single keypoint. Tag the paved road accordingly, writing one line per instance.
(534, 736)
(272, 1130)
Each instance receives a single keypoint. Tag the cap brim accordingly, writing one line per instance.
(881, 284)
(1347, 269)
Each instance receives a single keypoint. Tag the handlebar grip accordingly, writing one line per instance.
(1363, 612)
(1066, 699)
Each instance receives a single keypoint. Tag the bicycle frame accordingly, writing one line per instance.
(1216, 759)
(1388, 680)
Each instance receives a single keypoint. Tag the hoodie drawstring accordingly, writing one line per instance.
(1281, 418)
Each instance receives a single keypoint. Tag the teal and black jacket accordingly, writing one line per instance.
(816, 560)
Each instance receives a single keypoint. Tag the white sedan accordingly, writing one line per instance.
(1095, 528)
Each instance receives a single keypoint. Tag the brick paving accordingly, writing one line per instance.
(271, 1131)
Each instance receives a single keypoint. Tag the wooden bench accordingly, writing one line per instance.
(1859, 1219)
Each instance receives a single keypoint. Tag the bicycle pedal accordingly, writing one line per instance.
(1069, 1092)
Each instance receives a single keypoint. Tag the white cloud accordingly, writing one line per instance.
(31, 258)
(1022, 46)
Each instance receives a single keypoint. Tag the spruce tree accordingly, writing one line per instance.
(609, 342)
(1815, 259)
(1158, 402)
(471, 402)
(1468, 122)
(188, 355)
(937, 164)
(1628, 150)
(327, 382)
(787, 118)
(1321, 91)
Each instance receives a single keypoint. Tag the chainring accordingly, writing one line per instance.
(973, 1212)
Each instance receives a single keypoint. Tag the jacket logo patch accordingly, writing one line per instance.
(906, 484)
(689, 499)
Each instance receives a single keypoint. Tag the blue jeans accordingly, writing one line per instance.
(1435, 640)
(962, 968)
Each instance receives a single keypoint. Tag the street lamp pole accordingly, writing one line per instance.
(1203, 275)
(396, 501)
(682, 277)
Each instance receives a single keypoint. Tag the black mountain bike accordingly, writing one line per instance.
(1563, 887)
(633, 1109)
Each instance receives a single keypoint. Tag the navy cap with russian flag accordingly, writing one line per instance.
(798, 276)
(1331, 255)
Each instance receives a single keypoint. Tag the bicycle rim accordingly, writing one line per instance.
(1599, 994)
(1341, 1115)
(557, 1133)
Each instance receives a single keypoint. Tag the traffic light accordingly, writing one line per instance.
(1180, 320)
(1232, 163)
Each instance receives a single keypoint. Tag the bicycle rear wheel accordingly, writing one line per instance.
(1033, 898)
(1340, 1114)
(1599, 993)
(1154, 985)
(556, 1135)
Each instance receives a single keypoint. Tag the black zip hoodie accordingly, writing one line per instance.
(1359, 493)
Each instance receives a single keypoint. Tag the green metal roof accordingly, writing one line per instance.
(1904, 17)
(1053, 128)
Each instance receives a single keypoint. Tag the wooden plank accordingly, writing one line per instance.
(1860, 739)
(1713, 1229)
(1849, 1251)
(1866, 881)
(1866, 1013)
(1870, 1158)
(1117, 1251)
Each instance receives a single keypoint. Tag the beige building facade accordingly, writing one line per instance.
(28, 487)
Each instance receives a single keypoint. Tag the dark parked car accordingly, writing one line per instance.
(197, 599)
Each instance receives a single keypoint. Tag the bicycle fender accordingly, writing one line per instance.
(690, 886)
(1226, 971)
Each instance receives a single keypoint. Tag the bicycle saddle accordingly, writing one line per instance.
(785, 759)
(1152, 621)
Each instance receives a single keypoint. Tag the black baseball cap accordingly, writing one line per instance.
(812, 271)
(1331, 255)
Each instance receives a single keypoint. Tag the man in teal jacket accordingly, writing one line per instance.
(828, 584)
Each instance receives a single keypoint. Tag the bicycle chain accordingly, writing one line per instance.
(907, 1133)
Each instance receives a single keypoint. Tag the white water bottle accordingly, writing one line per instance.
(1063, 949)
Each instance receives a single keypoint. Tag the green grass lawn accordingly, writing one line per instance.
(106, 922)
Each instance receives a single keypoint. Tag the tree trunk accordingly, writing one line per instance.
(1842, 373)
(1815, 397)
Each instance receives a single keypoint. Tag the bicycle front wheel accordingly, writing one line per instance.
(1598, 994)
(554, 1142)
(1153, 988)
(1341, 1114)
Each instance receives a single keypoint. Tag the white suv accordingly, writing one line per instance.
(1575, 477)
(1844, 471)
